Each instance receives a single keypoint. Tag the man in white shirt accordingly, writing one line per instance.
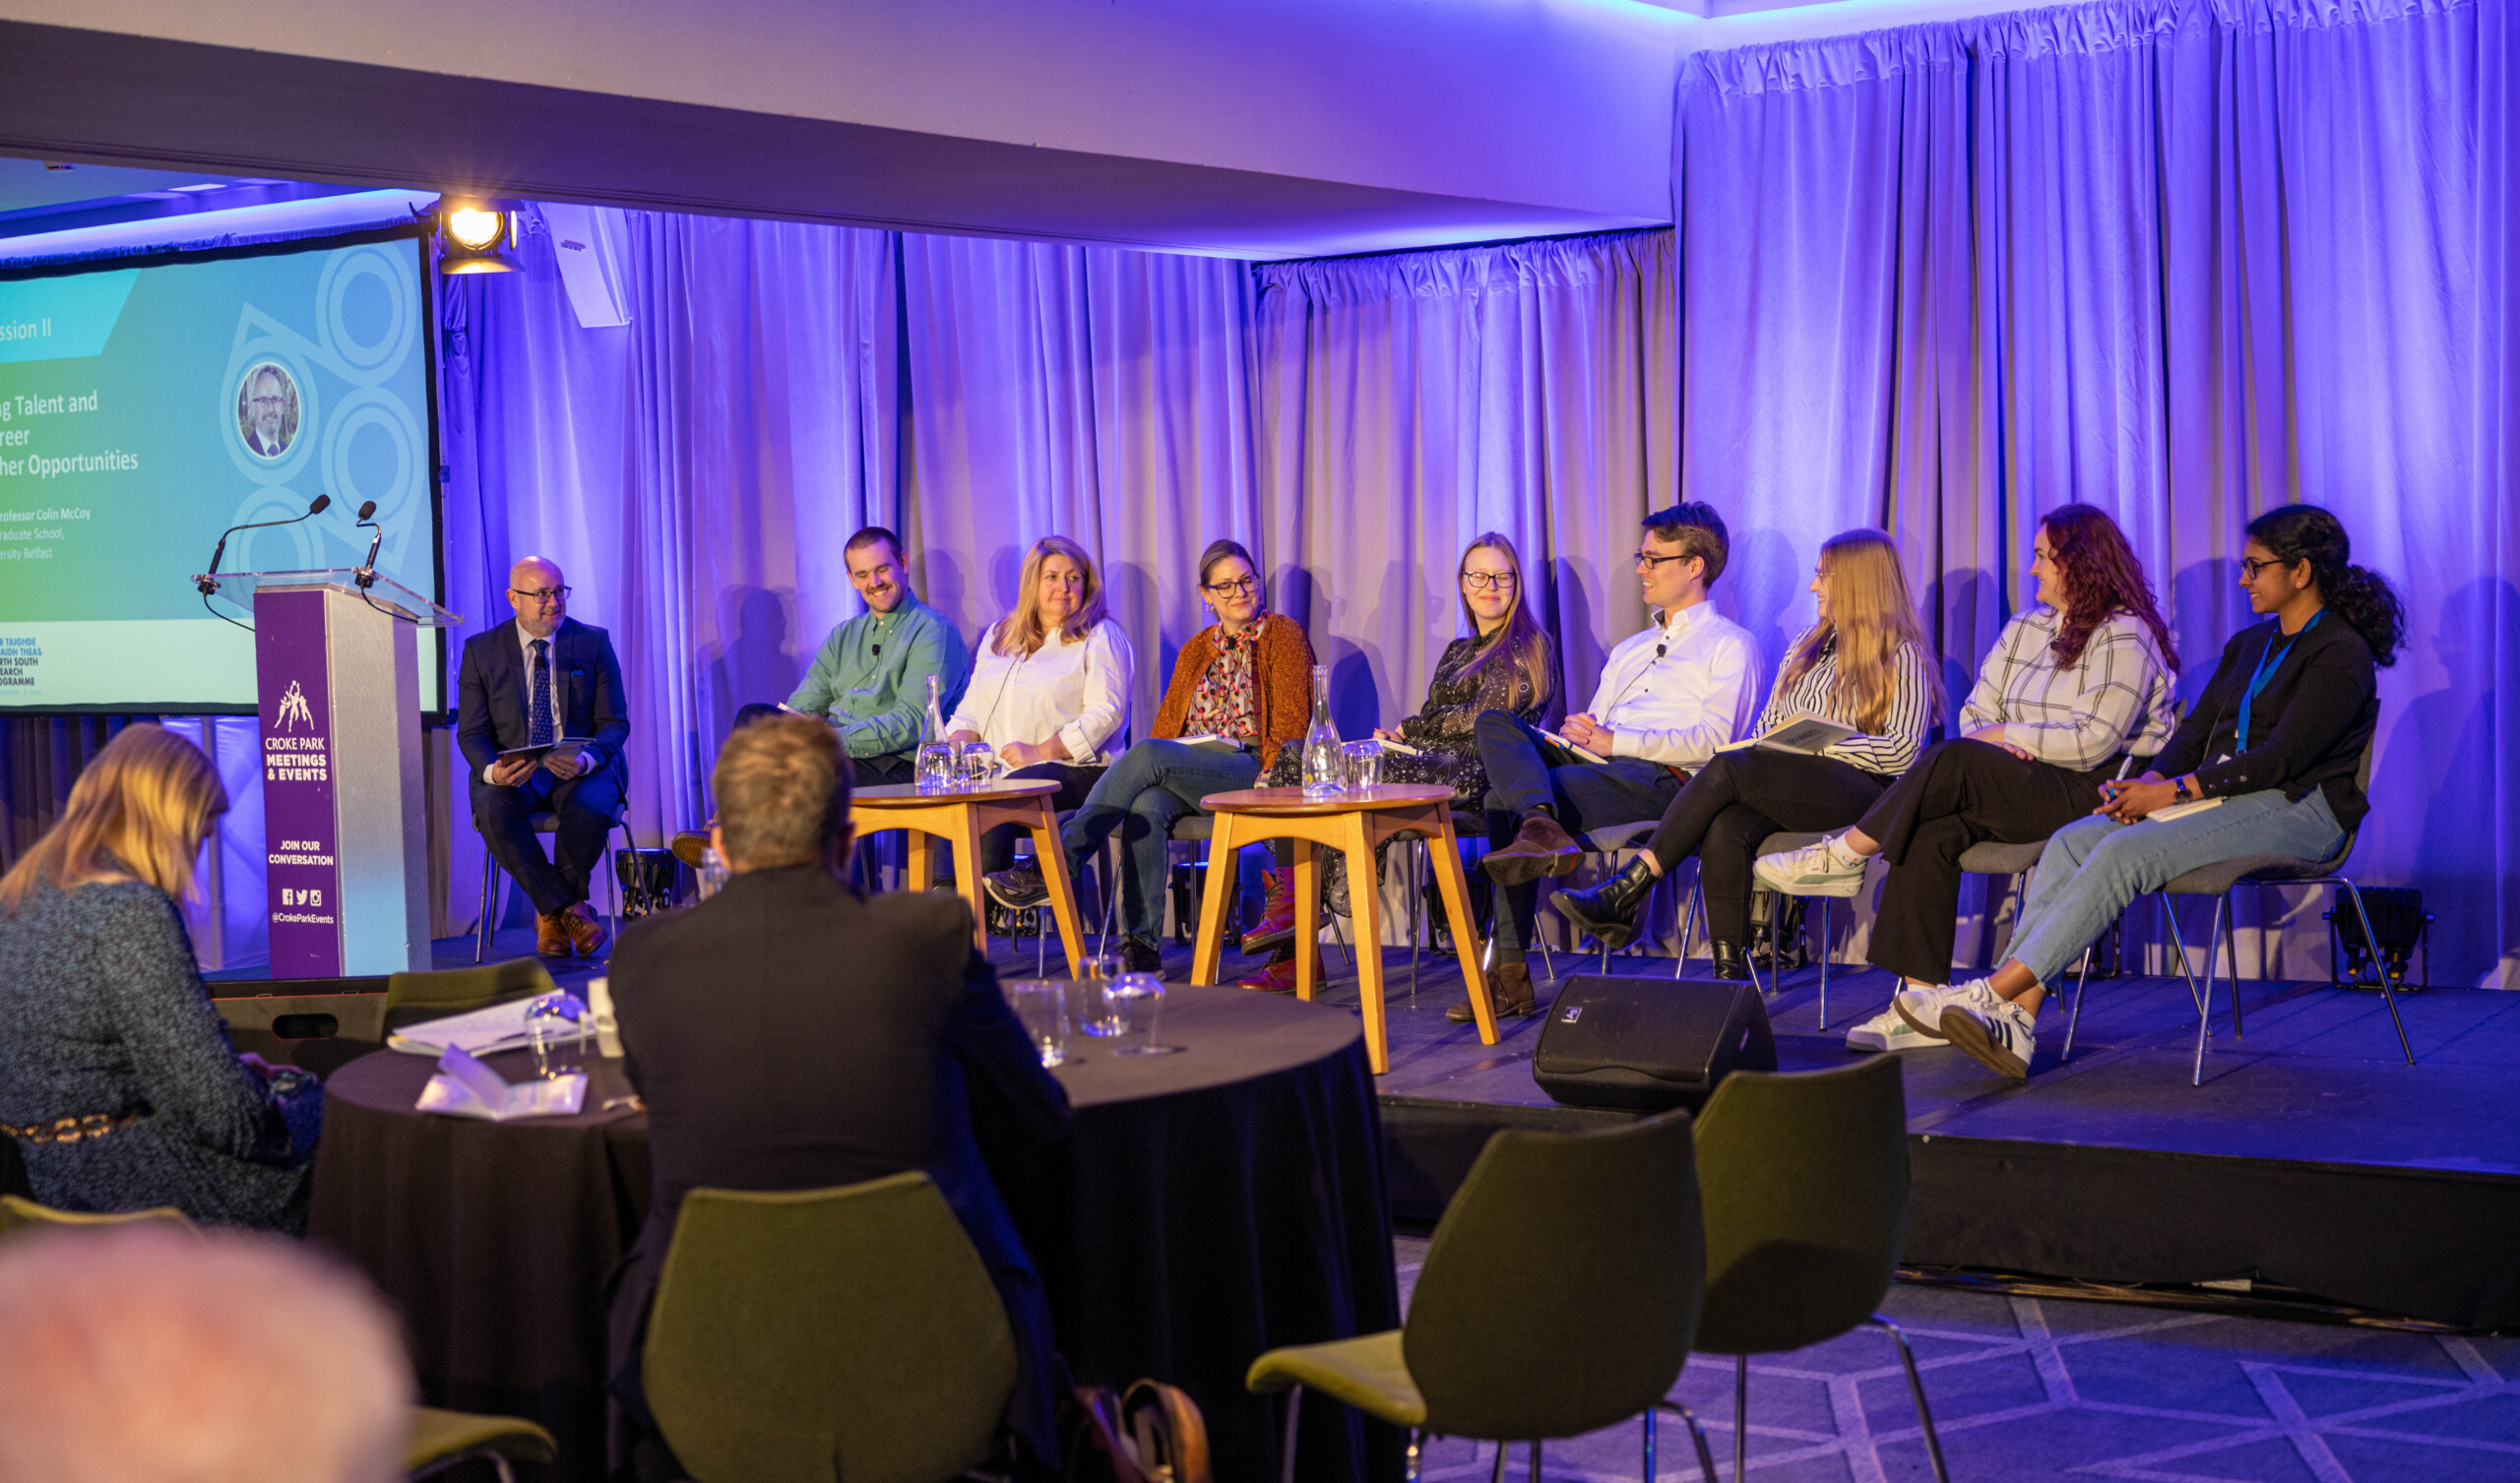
(1667, 698)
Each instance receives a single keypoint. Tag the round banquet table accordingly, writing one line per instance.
(1206, 1207)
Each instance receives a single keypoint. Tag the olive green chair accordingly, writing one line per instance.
(411, 997)
(825, 1335)
(1560, 1295)
(1805, 1180)
(19, 1213)
(443, 1441)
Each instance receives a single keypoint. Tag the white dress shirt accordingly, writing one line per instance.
(1675, 694)
(524, 669)
(1074, 689)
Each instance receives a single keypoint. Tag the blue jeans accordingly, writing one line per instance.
(1154, 783)
(2093, 868)
(1586, 796)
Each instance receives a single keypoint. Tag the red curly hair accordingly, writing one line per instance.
(2101, 577)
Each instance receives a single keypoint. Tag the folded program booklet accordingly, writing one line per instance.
(566, 747)
(481, 1033)
(465, 1087)
(1800, 732)
(1586, 753)
(1212, 742)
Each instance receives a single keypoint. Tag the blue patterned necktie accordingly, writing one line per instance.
(537, 731)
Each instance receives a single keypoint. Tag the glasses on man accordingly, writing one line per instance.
(543, 595)
(1240, 587)
(2250, 566)
(1649, 561)
(1488, 581)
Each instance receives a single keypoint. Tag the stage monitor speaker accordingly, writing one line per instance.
(1650, 1044)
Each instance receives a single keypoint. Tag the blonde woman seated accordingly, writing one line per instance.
(1864, 665)
(117, 1078)
(1050, 691)
(1508, 662)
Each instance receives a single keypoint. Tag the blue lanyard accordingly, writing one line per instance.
(2267, 664)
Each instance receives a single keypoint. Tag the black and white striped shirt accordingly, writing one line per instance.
(1903, 735)
(2115, 698)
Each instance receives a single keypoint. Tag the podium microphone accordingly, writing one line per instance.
(207, 582)
(366, 575)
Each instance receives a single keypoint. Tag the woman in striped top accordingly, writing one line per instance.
(1864, 665)
(2072, 686)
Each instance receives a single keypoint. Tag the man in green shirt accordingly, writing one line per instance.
(870, 679)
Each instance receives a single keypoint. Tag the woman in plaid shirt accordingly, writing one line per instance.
(2072, 685)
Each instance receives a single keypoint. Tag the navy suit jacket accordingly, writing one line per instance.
(790, 1033)
(491, 694)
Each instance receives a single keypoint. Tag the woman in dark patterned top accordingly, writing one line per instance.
(1506, 663)
(1239, 691)
(117, 1080)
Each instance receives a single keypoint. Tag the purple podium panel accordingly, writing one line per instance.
(299, 835)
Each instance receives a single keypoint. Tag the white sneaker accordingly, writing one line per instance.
(1887, 1031)
(2003, 1038)
(1813, 870)
(1922, 1009)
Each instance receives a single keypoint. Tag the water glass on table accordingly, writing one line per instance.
(556, 1027)
(935, 767)
(1137, 1005)
(712, 872)
(975, 764)
(1091, 1008)
(1364, 765)
(1043, 1009)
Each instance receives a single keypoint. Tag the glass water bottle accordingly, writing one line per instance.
(1325, 770)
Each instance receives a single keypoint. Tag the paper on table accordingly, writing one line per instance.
(465, 1087)
(484, 1031)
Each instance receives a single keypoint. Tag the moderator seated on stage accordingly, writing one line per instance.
(790, 1033)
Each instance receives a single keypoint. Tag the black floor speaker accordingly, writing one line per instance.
(1650, 1044)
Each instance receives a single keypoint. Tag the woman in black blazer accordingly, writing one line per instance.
(2265, 763)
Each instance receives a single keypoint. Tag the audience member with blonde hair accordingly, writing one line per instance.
(1864, 664)
(149, 1353)
(117, 1078)
(1050, 691)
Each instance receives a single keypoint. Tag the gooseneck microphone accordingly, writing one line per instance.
(208, 580)
(366, 577)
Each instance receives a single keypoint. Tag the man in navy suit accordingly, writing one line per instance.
(543, 677)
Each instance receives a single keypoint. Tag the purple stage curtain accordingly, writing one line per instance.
(2184, 260)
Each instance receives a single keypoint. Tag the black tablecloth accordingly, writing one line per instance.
(1208, 1205)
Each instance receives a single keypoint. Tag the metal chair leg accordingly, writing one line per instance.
(489, 900)
(2388, 995)
(1534, 1459)
(1647, 1471)
(2205, 1005)
(1413, 1462)
(1916, 1393)
(1496, 1474)
(1697, 1434)
(2232, 950)
(1740, 1416)
(2178, 945)
(1824, 961)
(1286, 1458)
(1688, 930)
(2074, 1022)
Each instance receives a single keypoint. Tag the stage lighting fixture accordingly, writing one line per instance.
(477, 237)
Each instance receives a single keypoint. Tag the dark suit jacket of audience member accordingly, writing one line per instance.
(790, 1033)
(491, 698)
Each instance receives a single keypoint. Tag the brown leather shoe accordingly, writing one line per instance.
(550, 936)
(1277, 925)
(1509, 990)
(688, 847)
(1279, 977)
(586, 932)
(1540, 847)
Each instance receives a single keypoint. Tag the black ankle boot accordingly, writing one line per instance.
(1608, 911)
(1728, 962)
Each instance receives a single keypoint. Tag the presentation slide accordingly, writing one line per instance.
(145, 410)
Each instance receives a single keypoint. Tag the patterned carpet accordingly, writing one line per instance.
(2026, 1388)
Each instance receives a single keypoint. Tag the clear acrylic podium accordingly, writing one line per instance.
(345, 824)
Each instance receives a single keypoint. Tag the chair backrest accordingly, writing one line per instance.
(1804, 1179)
(1562, 1288)
(19, 1213)
(411, 997)
(826, 1334)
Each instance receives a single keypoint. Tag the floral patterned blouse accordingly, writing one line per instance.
(1441, 730)
(1227, 700)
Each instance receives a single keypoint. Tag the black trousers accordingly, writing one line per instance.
(584, 804)
(1959, 793)
(1737, 800)
(1521, 777)
(997, 847)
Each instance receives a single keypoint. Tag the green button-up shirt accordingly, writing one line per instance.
(872, 677)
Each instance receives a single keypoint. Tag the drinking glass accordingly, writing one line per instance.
(935, 767)
(976, 765)
(1364, 765)
(1137, 1004)
(1042, 1006)
(1092, 1005)
(555, 1027)
(712, 873)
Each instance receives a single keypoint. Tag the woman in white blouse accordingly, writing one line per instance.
(2072, 685)
(1049, 690)
(1864, 664)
